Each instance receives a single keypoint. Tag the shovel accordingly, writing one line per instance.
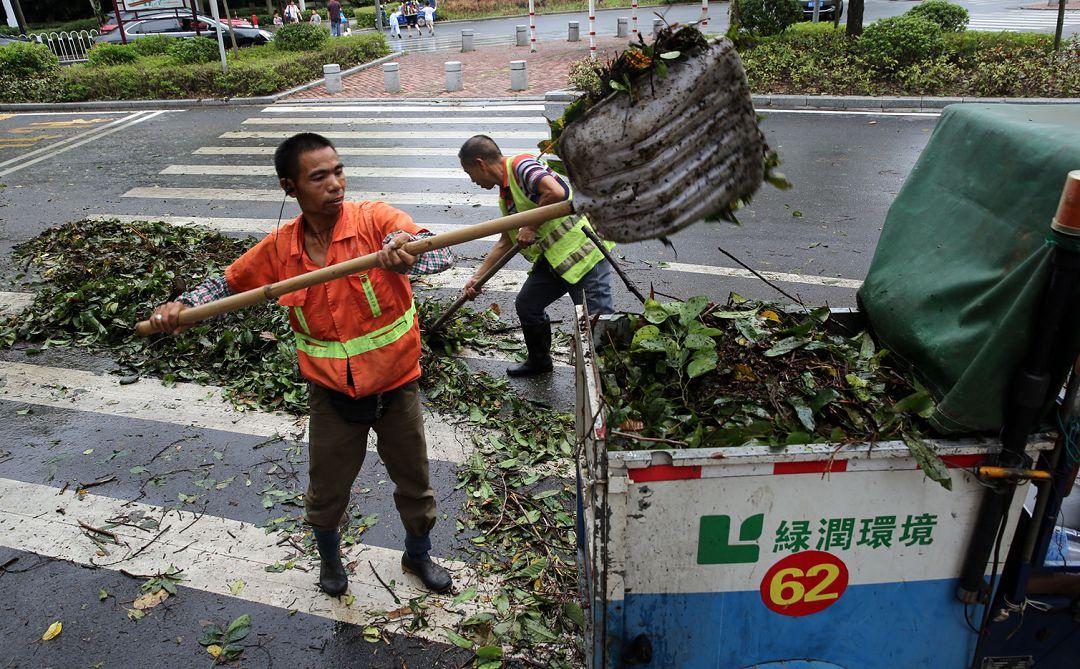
(684, 150)
(480, 281)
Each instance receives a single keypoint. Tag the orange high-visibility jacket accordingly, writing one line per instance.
(363, 323)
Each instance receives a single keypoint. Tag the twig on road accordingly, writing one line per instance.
(383, 583)
(98, 530)
(93, 484)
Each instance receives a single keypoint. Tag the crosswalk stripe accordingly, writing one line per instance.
(184, 404)
(376, 134)
(361, 172)
(13, 303)
(396, 120)
(230, 224)
(274, 195)
(388, 151)
(213, 552)
(772, 276)
(440, 107)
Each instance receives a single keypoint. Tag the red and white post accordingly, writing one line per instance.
(704, 13)
(592, 29)
(532, 25)
(633, 18)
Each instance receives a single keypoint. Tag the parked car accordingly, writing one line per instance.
(171, 25)
(129, 17)
(825, 13)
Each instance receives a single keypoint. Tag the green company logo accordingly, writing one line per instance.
(714, 546)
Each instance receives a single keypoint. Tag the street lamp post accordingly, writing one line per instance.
(220, 38)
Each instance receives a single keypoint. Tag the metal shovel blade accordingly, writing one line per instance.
(686, 150)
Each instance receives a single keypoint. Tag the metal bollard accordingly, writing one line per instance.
(332, 77)
(519, 75)
(453, 75)
(624, 27)
(523, 35)
(657, 26)
(575, 32)
(467, 40)
(391, 74)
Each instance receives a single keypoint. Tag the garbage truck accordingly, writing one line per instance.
(847, 555)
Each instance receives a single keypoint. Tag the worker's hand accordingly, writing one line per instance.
(526, 235)
(471, 289)
(393, 258)
(166, 318)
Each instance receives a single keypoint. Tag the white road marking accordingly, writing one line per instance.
(769, 110)
(275, 195)
(242, 225)
(214, 552)
(183, 404)
(506, 281)
(398, 120)
(1020, 20)
(772, 276)
(13, 303)
(359, 172)
(389, 151)
(391, 134)
(442, 108)
(45, 152)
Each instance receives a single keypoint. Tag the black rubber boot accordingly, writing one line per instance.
(434, 577)
(332, 577)
(538, 342)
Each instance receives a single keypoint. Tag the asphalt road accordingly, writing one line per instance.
(61, 424)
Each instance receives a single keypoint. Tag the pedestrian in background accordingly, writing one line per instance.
(333, 10)
(315, 18)
(395, 26)
(277, 20)
(429, 17)
(411, 11)
(292, 13)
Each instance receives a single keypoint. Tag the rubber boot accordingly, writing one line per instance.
(332, 577)
(538, 342)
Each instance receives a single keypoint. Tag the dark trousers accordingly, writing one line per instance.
(336, 451)
(544, 286)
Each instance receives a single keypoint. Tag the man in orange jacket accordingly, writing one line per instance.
(358, 344)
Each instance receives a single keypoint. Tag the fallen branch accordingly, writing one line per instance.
(383, 583)
(656, 440)
(98, 530)
(93, 484)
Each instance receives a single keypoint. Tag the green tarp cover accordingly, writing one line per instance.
(964, 255)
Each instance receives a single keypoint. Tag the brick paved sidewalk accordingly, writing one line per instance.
(486, 72)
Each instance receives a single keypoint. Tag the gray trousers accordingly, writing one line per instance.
(544, 286)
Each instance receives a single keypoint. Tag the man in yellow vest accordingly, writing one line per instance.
(564, 259)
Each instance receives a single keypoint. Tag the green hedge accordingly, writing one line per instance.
(301, 37)
(769, 17)
(259, 70)
(820, 61)
(949, 17)
(27, 59)
(900, 41)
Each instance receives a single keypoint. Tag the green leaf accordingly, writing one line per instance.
(804, 413)
(919, 403)
(786, 346)
(616, 85)
(823, 398)
(573, 611)
(102, 595)
(703, 362)
(458, 640)
(465, 595)
(655, 312)
(211, 634)
(238, 629)
(645, 334)
(670, 55)
(489, 652)
(697, 341)
(932, 465)
(692, 308)
(533, 571)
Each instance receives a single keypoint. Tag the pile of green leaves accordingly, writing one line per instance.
(98, 278)
(700, 374)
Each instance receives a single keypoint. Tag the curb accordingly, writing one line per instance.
(855, 102)
(186, 103)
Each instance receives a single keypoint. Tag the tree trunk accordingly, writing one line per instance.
(19, 18)
(855, 18)
(232, 33)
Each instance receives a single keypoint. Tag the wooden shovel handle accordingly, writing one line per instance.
(274, 290)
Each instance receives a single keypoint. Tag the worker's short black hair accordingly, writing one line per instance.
(287, 155)
(479, 146)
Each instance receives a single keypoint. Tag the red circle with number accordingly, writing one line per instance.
(804, 583)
